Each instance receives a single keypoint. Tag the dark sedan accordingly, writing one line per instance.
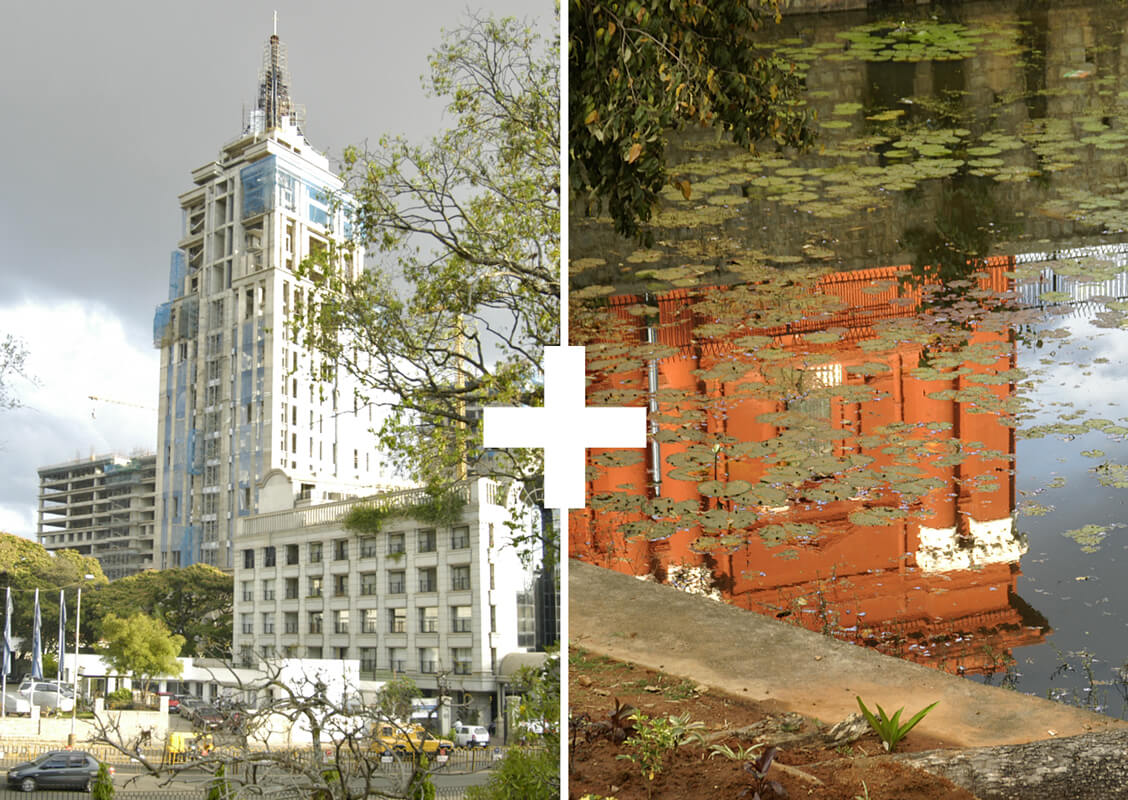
(207, 718)
(61, 769)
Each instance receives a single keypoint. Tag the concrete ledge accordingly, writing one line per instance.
(748, 655)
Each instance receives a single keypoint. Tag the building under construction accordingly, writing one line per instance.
(102, 506)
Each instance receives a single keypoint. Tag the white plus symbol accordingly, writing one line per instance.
(565, 427)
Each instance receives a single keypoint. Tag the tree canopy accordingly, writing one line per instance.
(464, 230)
(193, 602)
(641, 68)
(140, 646)
(26, 566)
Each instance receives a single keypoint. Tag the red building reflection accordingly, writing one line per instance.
(936, 582)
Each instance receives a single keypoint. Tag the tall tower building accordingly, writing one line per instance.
(239, 395)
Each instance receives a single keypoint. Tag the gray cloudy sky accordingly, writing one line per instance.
(105, 109)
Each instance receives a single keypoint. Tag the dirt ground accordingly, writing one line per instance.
(855, 771)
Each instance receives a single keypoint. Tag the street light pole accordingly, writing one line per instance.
(77, 623)
(77, 627)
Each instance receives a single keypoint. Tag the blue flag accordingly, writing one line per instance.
(36, 645)
(8, 631)
(62, 633)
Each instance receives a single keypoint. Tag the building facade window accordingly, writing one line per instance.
(368, 547)
(341, 550)
(460, 619)
(314, 586)
(396, 544)
(428, 660)
(268, 556)
(397, 659)
(397, 620)
(315, 618)
(368, 659)
(460, 578)
(268, 589)
(248, 559)
(248, 623)
(425, 541)
(397, 583)
(290, 621)
(460, 659)
(291, 554)
(248, 591)
(340, 585)
(291, 589)
(428, 580)
(315, 552)
(268, 622)
(460, 538)
(313, 652)
(341, 621)
(429, 619)
(368, 583)
(370, 619)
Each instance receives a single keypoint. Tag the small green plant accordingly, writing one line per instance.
(218, 790)
(686, 730)
(103, 786)
(652, 740)
(865, 793)
(890, 729)
(735, 754)
(756, 764)
(421, 787)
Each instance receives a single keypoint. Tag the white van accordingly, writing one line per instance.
(471, 735)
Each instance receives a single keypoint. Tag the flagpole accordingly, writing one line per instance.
(62, 639)
(77, 619)
(7, 658)
(36, 651)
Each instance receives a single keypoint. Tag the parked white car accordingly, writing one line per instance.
(471, 735)
(48, 694)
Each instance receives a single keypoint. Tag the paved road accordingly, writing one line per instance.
(194, 781)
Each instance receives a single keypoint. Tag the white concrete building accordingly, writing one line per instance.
(434, 602)
(102, 506)
(239, 394)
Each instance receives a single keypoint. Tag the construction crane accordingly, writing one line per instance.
(116, 402)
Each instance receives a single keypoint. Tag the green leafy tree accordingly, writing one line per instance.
(531, 773)
(103, 788)
(26, 566)
(641, 68)
(393, 701)
(524, 774)
(194, 602)
(466, 232)
(140, 646)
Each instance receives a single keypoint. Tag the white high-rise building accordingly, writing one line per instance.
(239, 395)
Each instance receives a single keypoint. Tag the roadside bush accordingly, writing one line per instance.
(103, 788)
(522, 775)
(119, 698)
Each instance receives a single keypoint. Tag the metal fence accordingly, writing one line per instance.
(441, 793)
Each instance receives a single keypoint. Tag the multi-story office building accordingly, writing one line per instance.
(101, 506)
(239, 394)
(437, 603)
